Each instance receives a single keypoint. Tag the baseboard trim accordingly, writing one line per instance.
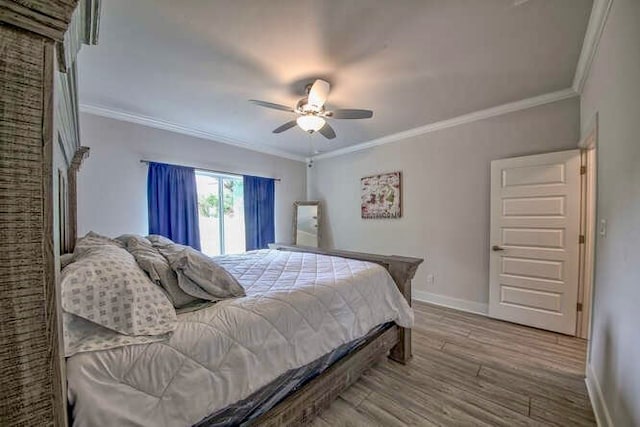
(450, 302)
(600, 410)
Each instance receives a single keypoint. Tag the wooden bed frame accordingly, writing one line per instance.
(40, 154)
(305, 404)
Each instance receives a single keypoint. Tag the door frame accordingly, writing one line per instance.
(588, 227)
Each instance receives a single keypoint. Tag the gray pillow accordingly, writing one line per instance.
(158, 240)
(157, 267)
(106, 286)
(92, 240)
(198, 275)
(65, 259)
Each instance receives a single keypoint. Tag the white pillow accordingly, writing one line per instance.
(106, 286)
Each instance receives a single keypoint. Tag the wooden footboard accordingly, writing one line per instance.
(401, 268)
(301, 407)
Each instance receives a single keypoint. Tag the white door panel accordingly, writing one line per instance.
(535, 214)
(533, 175)
(533, 237)
(533, 206)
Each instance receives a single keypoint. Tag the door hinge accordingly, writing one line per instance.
(583, 170)
(579, 306)
(581, 239)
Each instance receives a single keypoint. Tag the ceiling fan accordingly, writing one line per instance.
(311, 112)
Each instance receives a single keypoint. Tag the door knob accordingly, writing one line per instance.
(497, 248)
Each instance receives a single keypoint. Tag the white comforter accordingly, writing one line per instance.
(299, 306)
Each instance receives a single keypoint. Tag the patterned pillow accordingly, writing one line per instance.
(80, 336)
(105, 286)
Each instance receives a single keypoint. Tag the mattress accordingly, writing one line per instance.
(247, 410)
(299, 307)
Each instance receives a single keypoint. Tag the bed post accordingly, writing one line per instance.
(32, 381)
(32, 35)
(402, 272)
(401, 268)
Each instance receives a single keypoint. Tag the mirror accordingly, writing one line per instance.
(306, 224)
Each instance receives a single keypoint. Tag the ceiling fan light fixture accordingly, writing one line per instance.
(318, 94)
(312, 113)
(310, 123)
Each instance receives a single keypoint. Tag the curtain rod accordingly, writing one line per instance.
(207, 170)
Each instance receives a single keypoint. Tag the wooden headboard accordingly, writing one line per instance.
(67, 195)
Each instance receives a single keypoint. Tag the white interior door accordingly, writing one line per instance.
(535, 226)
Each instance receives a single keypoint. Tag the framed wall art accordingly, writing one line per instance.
(381, 196)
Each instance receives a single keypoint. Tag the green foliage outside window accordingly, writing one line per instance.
(208, 204)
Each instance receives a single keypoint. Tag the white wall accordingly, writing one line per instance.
(613, 91)
(112, 183)
(445, 195)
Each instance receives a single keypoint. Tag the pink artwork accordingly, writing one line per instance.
(381, 196)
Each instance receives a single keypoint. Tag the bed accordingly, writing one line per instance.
(40, 174)
(244, 360)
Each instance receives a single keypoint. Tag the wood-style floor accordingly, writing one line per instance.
(471, 370)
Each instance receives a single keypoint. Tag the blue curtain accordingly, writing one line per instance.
(259, 212)
(173, 203)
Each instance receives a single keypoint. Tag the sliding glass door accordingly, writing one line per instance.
(221, 213)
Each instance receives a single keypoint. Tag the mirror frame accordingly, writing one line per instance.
(295, 219)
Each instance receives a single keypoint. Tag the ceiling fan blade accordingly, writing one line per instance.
(327, 131)
(285, 126)
(318, 93)
(350, 114)
(271, 105)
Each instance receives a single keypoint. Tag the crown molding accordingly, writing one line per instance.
(173, 127)
(595, 28)
(432, 127)
(456, 121)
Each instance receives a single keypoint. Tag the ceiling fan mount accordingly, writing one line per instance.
(308, 86)
(311, 111)
(303, 107)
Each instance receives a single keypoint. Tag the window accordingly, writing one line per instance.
(221, 224)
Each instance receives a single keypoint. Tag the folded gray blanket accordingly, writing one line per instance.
(188, 276)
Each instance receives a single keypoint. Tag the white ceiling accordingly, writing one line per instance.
(195, 63)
